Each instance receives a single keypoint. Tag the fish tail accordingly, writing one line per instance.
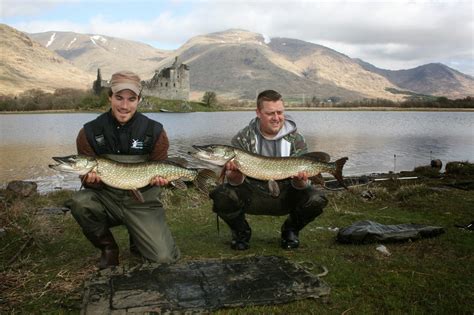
(202, 177)
(337, 173)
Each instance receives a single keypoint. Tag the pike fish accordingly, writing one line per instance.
(132, 176)
(271, 168)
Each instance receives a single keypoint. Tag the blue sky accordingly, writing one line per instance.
(389, 34)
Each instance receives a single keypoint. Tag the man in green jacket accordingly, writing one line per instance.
(271, 133)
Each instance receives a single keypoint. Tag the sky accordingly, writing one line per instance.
(389, 34)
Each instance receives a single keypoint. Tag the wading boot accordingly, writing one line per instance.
(240, 240)
(289, 239)
(241, 233)
(133, 247)
(110, 252)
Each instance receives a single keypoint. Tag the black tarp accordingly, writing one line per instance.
(372, 232)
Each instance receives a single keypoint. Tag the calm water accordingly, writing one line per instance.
(369, 139)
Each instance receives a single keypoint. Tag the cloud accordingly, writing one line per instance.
(16, 8)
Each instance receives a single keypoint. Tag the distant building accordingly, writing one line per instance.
(99, 85)
(170, 83)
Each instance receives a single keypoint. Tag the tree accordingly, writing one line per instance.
(209, 98)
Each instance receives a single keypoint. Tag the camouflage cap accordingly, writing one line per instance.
(125, 80)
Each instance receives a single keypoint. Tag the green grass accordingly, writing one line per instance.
(427, 276)
(155, 104)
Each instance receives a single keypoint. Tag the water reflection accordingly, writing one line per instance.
(369, 139)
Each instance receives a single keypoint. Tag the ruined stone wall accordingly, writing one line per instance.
(170, 83)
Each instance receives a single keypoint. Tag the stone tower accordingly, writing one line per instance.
(170, 83)
(99, 84)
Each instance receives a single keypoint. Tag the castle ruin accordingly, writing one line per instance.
(99, 85)
(170, 83)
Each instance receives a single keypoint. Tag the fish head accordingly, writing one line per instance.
(77, 164)
(215, 154)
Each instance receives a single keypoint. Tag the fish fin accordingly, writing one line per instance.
(137, 195)
(318, 156)
(337, 173)
(222, 176)
(273, 188)
(202, 177)
(83, 180)
(318, 179)
(179, 184)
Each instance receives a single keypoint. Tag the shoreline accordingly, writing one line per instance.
(243, 109)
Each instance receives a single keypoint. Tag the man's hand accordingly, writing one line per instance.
(159, 181)
(91, 178)
(300, 181)
(233, 175)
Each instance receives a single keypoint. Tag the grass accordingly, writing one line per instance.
(155, 104)
(44, 259)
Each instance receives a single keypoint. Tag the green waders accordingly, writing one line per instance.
(98, 210)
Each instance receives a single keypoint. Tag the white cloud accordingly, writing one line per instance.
(12, 8)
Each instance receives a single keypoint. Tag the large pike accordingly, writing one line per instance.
(269, 168)
(132, 176)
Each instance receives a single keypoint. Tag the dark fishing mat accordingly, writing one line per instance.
(201, 286)
(373, 232)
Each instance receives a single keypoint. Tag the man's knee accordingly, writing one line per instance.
(80, 202)
(226, 200)
(165, 257)
(317, 201)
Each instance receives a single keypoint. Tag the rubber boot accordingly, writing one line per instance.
(241, 233)
(289, 235)
(110, 252)
(133, 247)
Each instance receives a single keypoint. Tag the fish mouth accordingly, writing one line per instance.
(64, 162)
(205, 148)
(61, 162)
(64, 159)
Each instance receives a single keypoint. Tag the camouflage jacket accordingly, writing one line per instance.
(246, 139)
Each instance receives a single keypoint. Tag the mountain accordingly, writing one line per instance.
(238, 64)
(90, 52)
(233, 63)
(26, 64)
(432, 79)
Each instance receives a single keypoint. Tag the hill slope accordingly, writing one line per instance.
(433, 78)
(110, 54)
(26, 65)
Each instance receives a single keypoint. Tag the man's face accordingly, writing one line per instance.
(124, 105)
(272, 117)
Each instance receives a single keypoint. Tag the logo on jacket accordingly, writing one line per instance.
(137, 144)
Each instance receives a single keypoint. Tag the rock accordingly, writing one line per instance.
(2, 232)
(22, 188)
(367, 194)
(383, 250)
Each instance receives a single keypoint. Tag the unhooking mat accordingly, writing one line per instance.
(202, 286)
(371, 232)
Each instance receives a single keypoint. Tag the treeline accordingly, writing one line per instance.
(73, 99)
(433, 102)
(61, 99)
